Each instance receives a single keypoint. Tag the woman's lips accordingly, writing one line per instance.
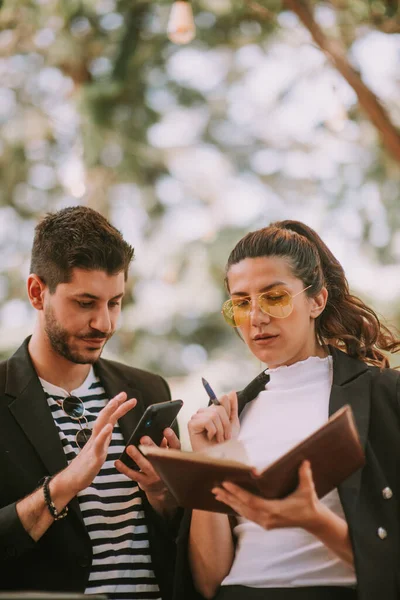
(264, 339)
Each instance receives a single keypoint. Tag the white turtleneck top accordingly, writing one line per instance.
(294, 404)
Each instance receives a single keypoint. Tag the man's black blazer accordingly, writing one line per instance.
(30, 449)
(371, 496)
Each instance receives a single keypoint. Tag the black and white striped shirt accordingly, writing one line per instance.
(111, 506)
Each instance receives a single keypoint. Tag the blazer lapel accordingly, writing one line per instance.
(351, 385)
(113, 385)
(31, 411)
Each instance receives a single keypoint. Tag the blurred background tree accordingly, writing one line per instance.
(278, 109)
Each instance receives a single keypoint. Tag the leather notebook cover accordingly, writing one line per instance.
(334, 451)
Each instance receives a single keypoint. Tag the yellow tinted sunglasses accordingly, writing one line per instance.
(276, 303)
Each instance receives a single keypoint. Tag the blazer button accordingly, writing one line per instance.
(387, 493)
(382, 533)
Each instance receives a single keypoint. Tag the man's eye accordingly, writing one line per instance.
(85, 304)
(113, 304)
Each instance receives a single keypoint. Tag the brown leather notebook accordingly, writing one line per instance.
(334, 451)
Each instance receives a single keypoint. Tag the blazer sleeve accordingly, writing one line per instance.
(162, 531)
(172, 552)
(184, 588)
(14, 540)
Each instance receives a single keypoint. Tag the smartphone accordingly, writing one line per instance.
(154, 420)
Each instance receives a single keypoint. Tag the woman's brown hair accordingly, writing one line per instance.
(346, 322)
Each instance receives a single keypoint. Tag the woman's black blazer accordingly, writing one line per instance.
(371, 496)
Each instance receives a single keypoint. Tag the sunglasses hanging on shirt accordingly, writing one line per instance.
(74, 408)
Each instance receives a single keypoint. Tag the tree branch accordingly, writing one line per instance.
(261, 11)
(335, 52)
(134, 21)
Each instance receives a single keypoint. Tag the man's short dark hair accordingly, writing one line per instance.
(77, 237)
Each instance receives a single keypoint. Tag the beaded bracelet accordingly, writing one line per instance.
(49, 502)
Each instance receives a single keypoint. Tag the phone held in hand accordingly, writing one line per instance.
(154, 420)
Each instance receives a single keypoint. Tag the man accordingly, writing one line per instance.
(73, 517)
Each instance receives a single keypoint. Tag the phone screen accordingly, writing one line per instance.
(154, 420)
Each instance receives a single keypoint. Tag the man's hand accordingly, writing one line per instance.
(32, 510)
(147, 478)
(83, 469)
(215, 424)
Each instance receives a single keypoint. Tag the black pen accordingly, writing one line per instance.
(210, 392)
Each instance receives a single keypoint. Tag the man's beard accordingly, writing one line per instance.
(58, 337)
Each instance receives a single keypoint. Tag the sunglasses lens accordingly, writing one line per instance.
(241, 310)
(82, 437)
(276, 304)
(228, 313)
(73, 407)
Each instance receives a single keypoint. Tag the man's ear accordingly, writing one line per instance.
(36, 288)
(318, 303)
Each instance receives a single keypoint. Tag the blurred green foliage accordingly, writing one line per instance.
(88, 90)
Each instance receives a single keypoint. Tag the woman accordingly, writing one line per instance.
(290, 302)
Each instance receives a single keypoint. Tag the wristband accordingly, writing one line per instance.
(49, 502)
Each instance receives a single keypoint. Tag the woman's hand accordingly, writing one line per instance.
(215, 424)
(302, 508)
(147, 478)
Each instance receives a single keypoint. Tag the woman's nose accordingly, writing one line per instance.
(257, 316)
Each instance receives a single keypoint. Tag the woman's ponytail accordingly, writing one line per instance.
(346, 322)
